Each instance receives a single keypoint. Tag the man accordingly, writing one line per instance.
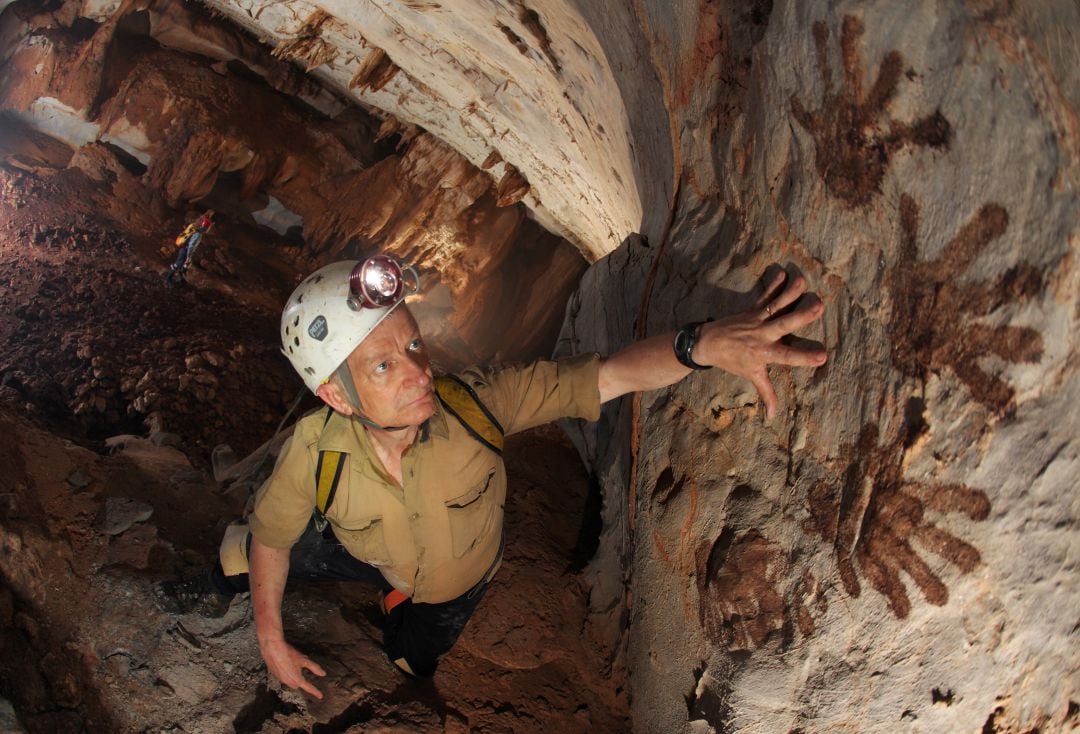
(187, 242)
(418, 510)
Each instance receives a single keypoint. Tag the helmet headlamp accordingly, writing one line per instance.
(380, 282)
(336, 308)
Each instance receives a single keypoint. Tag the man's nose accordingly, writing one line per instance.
(419, 368)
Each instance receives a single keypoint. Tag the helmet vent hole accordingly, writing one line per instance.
(309, 370)
(290, 350)
(300, 298)
(286, 331)
(296, 340)
(296, 321)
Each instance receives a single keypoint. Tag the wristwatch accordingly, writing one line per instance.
(685, 341)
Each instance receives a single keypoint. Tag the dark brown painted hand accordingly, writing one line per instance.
(871, 514)
(931, 324)
(851, 149)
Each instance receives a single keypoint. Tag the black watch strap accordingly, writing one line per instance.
(685, 341)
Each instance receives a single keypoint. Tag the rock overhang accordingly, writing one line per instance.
(526, 93)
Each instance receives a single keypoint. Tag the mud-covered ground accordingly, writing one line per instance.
(83, 647)
(115, 391)
(96, 344)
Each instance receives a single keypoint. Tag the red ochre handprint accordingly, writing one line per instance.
(871, 514)
(930, 325)
(744, 600)
(740, 605)
(851, 150)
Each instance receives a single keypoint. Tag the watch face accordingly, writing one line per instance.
(684, 345)
(682, 341)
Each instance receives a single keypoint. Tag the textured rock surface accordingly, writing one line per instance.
(897, 550)
(84, 649)
(167, 105)
(526, 90)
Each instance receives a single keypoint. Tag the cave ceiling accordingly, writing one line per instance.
(458, 69)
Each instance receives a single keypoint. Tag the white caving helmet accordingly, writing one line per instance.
(328, 315)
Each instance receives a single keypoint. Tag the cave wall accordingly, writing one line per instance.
(897, 549)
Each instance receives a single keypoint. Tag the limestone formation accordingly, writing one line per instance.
(896, 550)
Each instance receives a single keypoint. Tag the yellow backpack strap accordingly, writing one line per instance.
(463, 403)
(327, 475)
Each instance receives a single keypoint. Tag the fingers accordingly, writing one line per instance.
(289, 669)
(313, 667)
(765, 389)
(794, 357)
(308, 688)
(755, 335)
(805, 315)
(794, 289)
(300, 682)
(771, 303)
(306, 663)
(770, 290)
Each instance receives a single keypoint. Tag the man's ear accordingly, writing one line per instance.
(333, 395)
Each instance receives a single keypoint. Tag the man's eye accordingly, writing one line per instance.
(416, 345)
(381, 367)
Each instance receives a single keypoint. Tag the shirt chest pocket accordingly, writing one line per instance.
(472, 515)
(364, 538)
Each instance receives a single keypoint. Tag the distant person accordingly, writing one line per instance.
(400, 481)
(186, 243)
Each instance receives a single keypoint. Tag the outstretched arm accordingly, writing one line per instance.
(269, 569)
(743, 344)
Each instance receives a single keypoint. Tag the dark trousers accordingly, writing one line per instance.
(420, 633)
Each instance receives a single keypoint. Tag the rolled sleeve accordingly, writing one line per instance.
(284, 503)
(544, 391)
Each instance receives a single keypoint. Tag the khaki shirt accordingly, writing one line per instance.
(435, 536)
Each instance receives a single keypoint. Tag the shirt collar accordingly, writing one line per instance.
(344, 434)
(437, 422)
(341, 434)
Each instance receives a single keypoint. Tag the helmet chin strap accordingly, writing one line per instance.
(345, 376)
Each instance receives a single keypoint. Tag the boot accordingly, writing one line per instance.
(196, 595)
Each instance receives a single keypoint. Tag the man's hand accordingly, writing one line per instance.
(745, 343)
(269, 569)
(288, 665)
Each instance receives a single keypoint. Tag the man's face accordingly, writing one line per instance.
(392, 373)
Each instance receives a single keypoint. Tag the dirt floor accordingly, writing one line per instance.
(114, 392)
